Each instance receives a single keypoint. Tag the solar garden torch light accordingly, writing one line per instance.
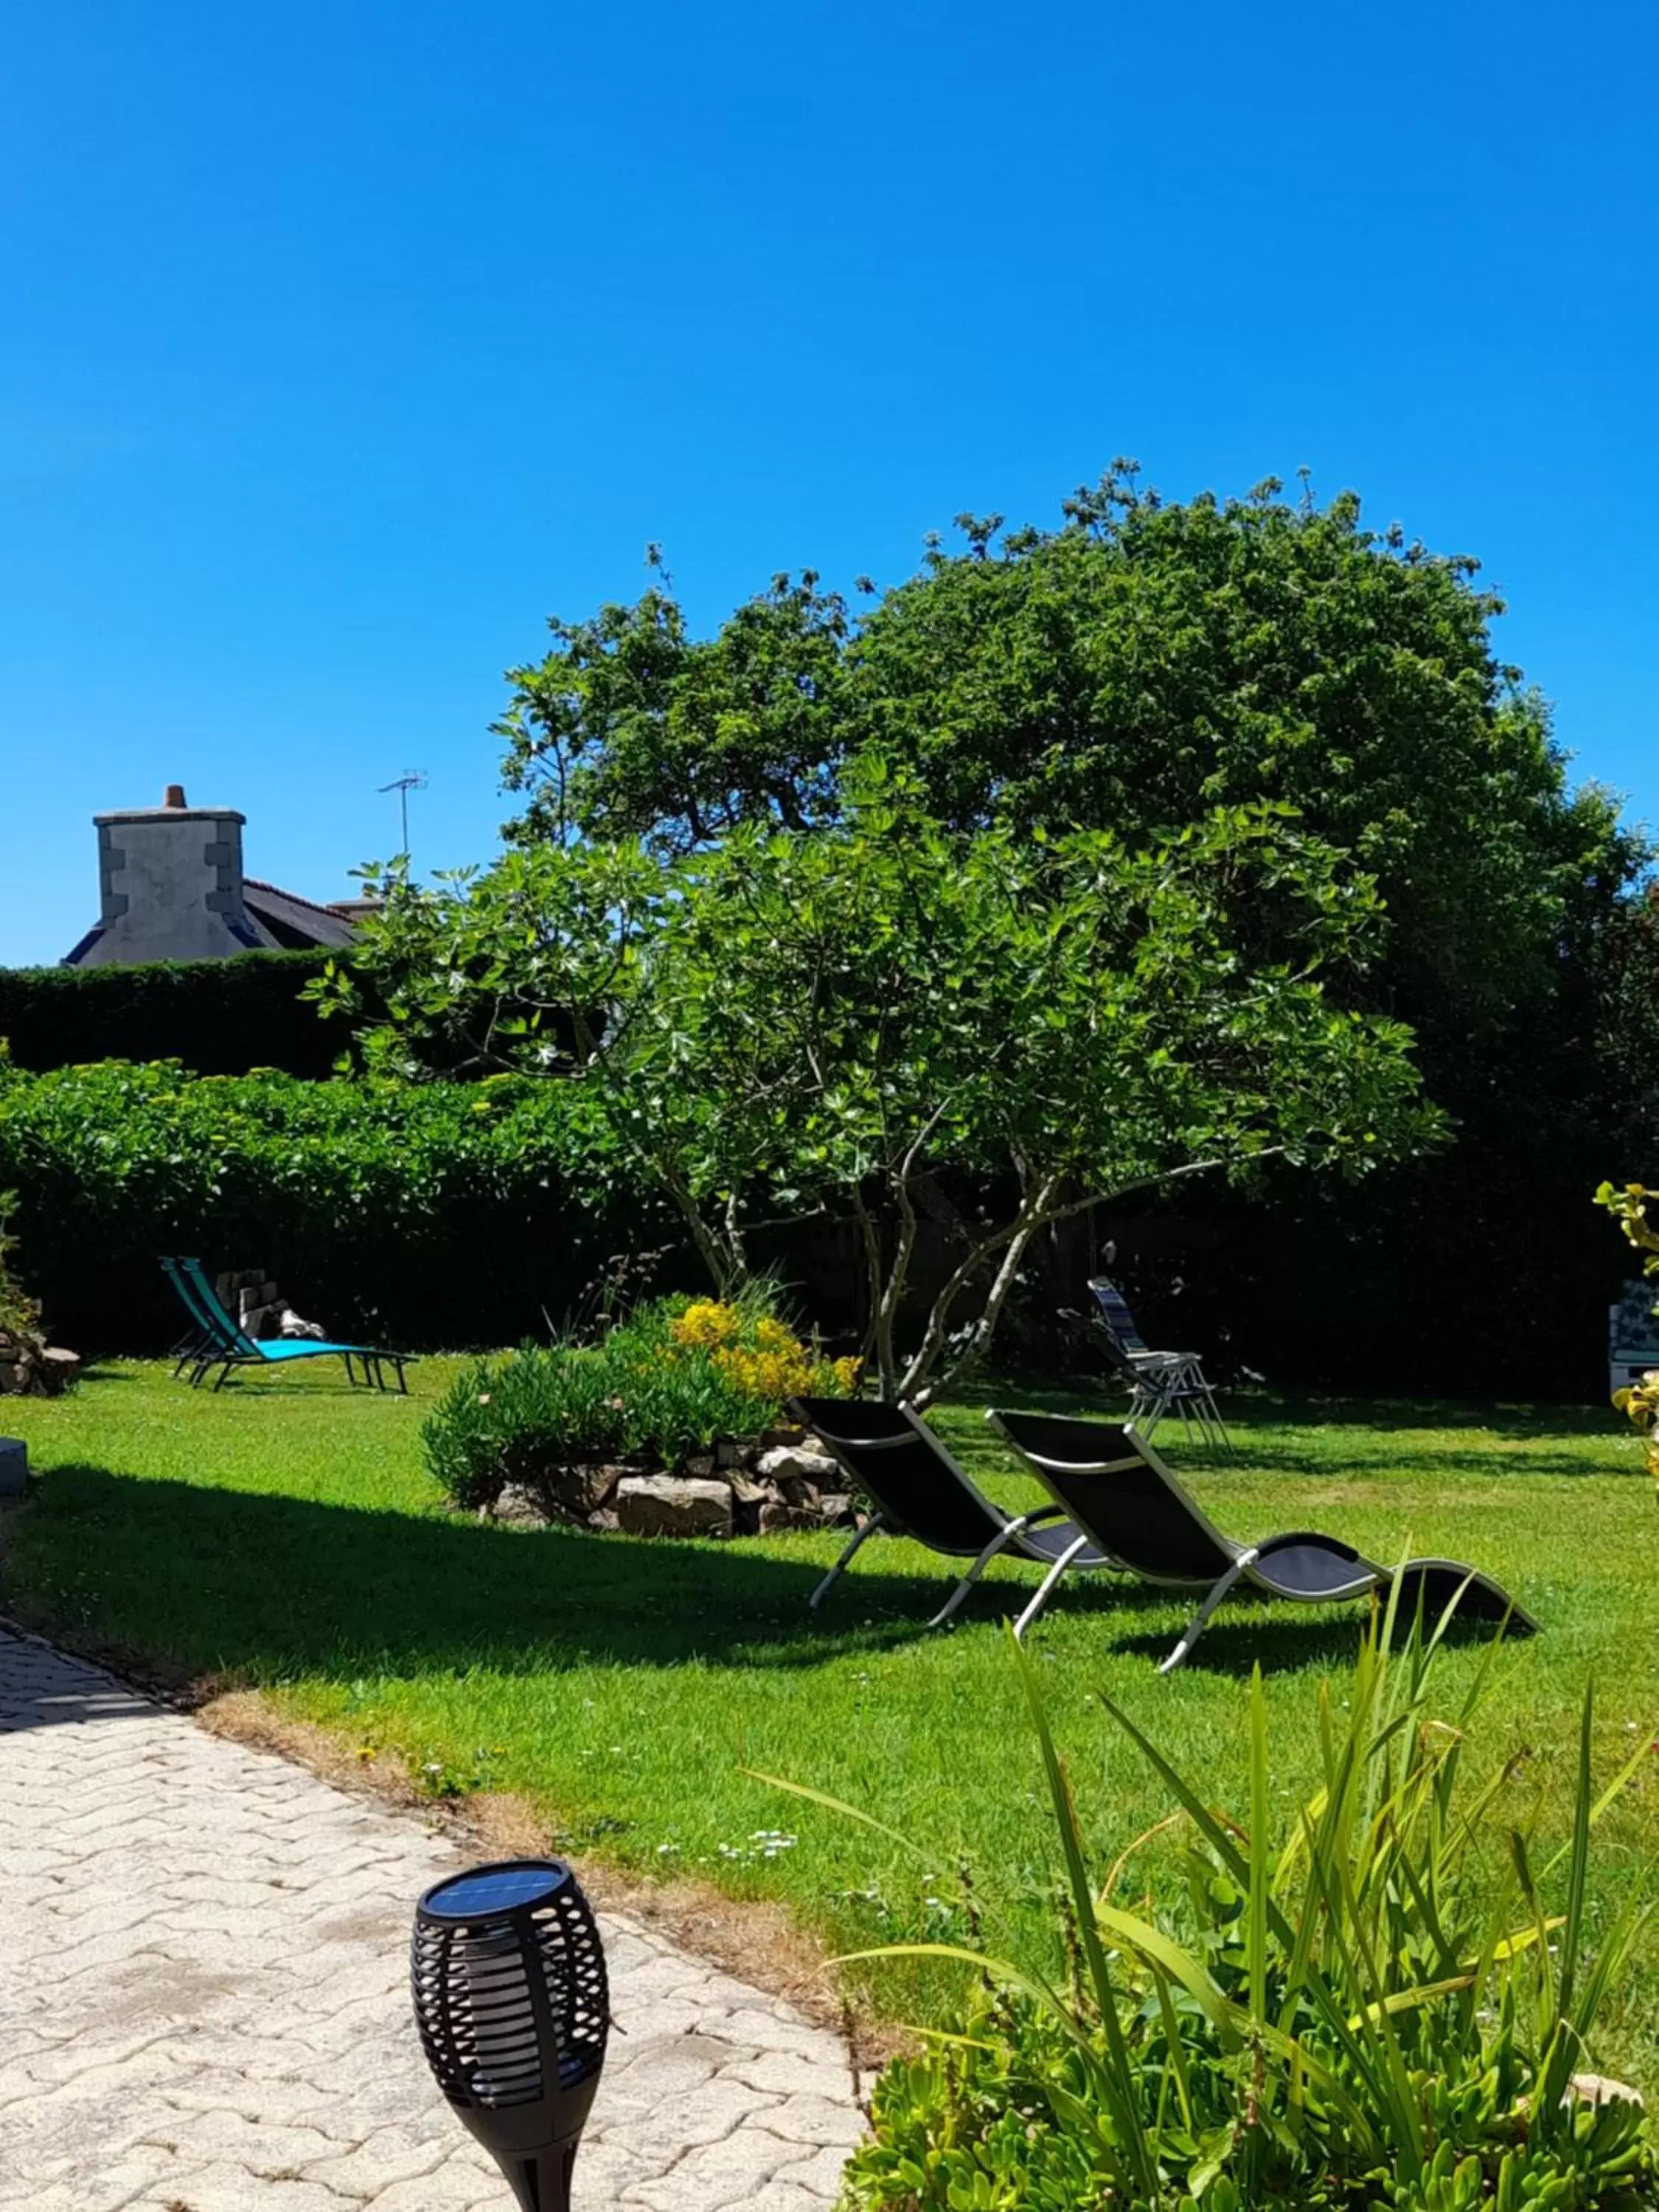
(510, 1999)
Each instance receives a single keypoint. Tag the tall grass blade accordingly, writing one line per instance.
(1121, 2086)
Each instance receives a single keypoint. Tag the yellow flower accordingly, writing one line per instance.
(773, 1365)
(705, 1325)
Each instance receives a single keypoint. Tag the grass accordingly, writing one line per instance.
(282, 1536)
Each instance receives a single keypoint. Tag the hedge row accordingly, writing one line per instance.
(217, 1017)
(440, 1214)
(474, 1214)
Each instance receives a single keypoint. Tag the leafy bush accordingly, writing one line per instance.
(20, 1313)
(1384, 2001)
(218, 1017)
(1640, 1403)
(675, 1378)
(433, 1214)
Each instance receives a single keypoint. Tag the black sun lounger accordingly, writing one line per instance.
(918, 1491)
(1116, 1489)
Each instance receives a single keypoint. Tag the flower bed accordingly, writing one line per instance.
(672, 1426)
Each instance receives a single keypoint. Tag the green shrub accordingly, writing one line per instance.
(1382, 2001)
(20, 1313)
(218, 1017)
(433, 1214)
(677, 1378)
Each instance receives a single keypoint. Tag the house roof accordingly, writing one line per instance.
(291, 921)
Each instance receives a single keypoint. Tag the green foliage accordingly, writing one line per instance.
(1134, 668)
(631, 727)
(20, 1313)
(831, 1020)
(1381, 2002)
(1152, 658)
(447, 1212)
(656, 1386)
(1143, 663)
(217, 1017)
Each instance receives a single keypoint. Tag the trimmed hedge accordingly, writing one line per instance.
(217, 1017)
(440, 1214)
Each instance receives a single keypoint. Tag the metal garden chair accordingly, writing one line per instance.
(1159, 1382)
(918, 1491)
(1121, 1496)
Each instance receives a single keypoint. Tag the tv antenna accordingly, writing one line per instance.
(403, 785)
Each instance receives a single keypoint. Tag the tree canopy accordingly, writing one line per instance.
(833, 1019)
(1126, 671)
(800, 904)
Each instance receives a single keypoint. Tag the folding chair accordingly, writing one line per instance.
(1159, 1382)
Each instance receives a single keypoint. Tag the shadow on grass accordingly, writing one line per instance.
(1261, 1455)
(1258, 1420)
(1256, 1405)
(270, 1381)
(1278, 1642)
(180, 1582)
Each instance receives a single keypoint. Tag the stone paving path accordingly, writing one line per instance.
(204, 2001)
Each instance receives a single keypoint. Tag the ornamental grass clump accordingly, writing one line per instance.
(1386, 1995)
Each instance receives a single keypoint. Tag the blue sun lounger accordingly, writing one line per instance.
(222, 1343)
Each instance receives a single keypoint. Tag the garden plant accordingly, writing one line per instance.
(678, 1376)
(839, 1022)
(1385, 1995)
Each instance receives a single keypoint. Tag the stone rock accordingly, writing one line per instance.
(58, 1369)
(698, 1466)
(786, 1435)
(729, 1454)
(20, 1365)
(573, 1493)
(836, 1509)
(1601, 2089)
(778, 1517)
(519, 1507)
(787, 1463)
(14, 1466)
(559, 1496)
(673, 1505)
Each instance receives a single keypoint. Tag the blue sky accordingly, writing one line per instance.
(340, 343)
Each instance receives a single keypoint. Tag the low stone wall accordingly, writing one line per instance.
(753, 1488)
(32, 1368)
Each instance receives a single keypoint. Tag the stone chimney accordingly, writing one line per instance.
(170, 884)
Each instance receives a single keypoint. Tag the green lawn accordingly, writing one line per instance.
(282, 1536)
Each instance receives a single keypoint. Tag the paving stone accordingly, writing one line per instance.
(791, 2075)
(206, 2005)
(819, 2175)
(718, 2175)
